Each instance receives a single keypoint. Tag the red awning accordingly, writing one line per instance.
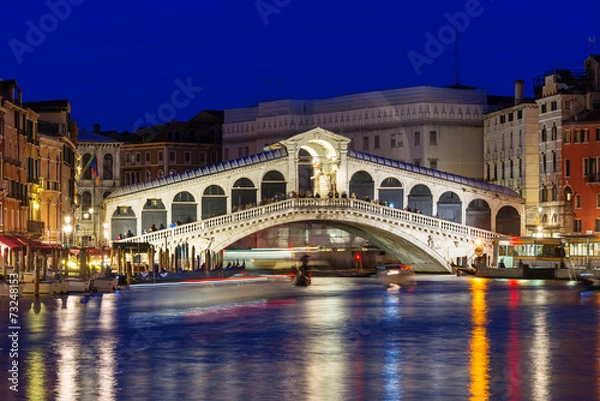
(11, 242)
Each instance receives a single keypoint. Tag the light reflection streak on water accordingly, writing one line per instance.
(67, 327)
(324, 367)
(106, 346)
(514, 345)
(393, 359)
(36, 367)
(540, 356)
(479, 346)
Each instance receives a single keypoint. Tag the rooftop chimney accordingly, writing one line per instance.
(20, 96)
(519, 91)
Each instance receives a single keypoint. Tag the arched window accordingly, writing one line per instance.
(107, 167)
(544, 133)
(148, 175)
(87, 173)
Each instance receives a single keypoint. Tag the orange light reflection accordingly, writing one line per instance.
(479, 345)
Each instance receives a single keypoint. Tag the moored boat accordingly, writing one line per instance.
(77, 285)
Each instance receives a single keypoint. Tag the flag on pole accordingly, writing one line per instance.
(94, 169)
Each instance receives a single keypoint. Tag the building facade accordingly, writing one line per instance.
(511, 149)
(581, 172)
(439, 128)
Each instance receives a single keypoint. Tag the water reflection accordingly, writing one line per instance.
(540, 356)
(67, 323)
(479, 347)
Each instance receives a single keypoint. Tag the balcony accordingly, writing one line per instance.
(593, 179)
(35, 228)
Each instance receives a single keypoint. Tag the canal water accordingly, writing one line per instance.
(447, 338)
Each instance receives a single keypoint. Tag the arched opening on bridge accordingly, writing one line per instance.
(508, 221)
(362, 185)
(184, 208)
(273, 187)
(479, 215)
(214, 202)
(154, 214)
(305, 172)
(450, 207)
(420, 198)
(123, 220)
(243, 195)
(391, 191)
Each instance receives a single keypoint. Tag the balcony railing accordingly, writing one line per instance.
(35, 228)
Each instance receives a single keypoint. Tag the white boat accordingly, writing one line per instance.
(76, 285)
(104, 284)
(48, 287)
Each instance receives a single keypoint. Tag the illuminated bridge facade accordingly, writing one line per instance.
(417, 215)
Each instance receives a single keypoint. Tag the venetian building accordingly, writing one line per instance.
(561, 94)
(511, 149)
(94, 189)
(434, 127)
(56, 166)
(20, 212)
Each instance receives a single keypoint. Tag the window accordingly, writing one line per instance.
(512, 169)
(393, 141)
(567, 136)
(187, 156)
(577, 136)
(171, 157)
(433, 163)
(433, 137)
(107, 167)
(553, 105)
(597, 201)
(160, 173)
(567, 168)
(246, 151)
(148, 175)
(138, 158)
(127, 158)
(577, 201)
(417, 162)
(365, 143)
(417, 138)
(511, 117)
(202, 156)
(503, 171)
(544, 163)
(520, 114)
(376, 142)
(213, 156)
(544, 133)
(597, 225)
(585, 135)
(401, 140)
(577, 225)
(502, 119)
(554, 132)
(597, 134)
(160, 156)
(553, 161)
(240, 152)
(543, 108)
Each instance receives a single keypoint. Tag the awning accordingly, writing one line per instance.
(11, 242)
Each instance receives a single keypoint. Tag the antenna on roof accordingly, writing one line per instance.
(456, 71)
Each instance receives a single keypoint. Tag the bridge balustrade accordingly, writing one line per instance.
(369, 208)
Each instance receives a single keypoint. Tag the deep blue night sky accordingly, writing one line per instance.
(117, 60)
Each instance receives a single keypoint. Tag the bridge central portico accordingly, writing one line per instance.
(315, 177)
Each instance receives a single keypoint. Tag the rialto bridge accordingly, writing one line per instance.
(420, 216)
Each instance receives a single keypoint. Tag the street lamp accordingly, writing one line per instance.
(67, 229)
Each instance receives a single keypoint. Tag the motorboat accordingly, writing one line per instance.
(77, 285)
(104, 284)
(397, 275)
(48, 287)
